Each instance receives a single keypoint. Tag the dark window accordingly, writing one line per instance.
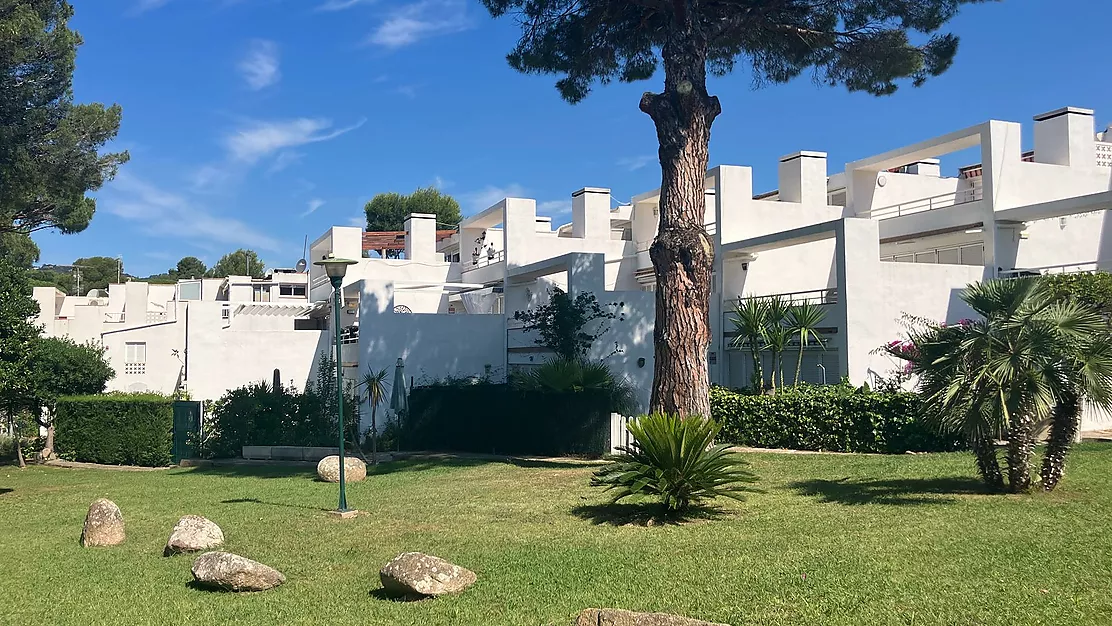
(291, 290)
(310, 323)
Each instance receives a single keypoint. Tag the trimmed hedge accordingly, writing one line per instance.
(835, 418)
(501, 419)
(115, 429)
(256, 415)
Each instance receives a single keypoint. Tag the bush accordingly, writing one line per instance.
(836, 418)
(115, 429)
(502, 419)
(256, 415)
(676, 460)
(574, 375)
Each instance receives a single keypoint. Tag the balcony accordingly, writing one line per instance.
(955, 198)
(819, 297)
(484, 260)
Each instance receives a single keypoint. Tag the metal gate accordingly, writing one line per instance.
(187, 423)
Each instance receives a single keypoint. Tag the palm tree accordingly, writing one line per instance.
(374, 385)
(750, 321)
(803, 320)
(1029, 359)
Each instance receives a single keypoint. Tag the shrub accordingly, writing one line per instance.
(115, 429)
(837, 418)
(256, 415)
(676, 460)
(502, 419)
(574, 375)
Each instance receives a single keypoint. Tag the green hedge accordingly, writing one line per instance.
(256, 415)
(115, 429)
(836, 418)
(501, 419)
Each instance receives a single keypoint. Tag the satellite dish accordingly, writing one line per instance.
(301, 265)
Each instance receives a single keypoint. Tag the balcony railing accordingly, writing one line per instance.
(814, 296)
(485, 259)
(1069, 268)
(963, 196)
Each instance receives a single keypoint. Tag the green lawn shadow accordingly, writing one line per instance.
(895, 492)
(642, 514)
(281, 504)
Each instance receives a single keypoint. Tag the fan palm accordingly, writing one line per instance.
(1030, 359)
(803, 321)
(374, 386)
(750, 321)
(561, 375)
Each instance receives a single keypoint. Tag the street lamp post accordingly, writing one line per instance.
(335, 268)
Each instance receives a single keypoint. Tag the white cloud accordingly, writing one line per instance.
(284, 159)
(420, 20)
(162, 213)
(314, 204)
(340, 5)
(409, 91)
(360, 221)
(260, 66)
(488, 196)
(261, 139)
(636, 162)
(554, 208)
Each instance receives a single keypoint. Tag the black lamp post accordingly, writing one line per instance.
(335, 268)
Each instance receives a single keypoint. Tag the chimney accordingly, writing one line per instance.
(925, 167)
(1065, 137)
(803, 178)
(590, 213)
(420, 237)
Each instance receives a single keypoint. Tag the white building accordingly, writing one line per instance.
(206, 335)
(891, 234)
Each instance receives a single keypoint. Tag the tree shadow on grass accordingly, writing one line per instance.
(231, 470)
(440, 461)
(382, 594)
(898, 492)
(282, 504)
(642, 514)
(4, 490)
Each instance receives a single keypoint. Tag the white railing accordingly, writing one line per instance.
(1067, 268)
(814, 296)
(975, 252)
(485, 259)
(115, 317)
(963, 196)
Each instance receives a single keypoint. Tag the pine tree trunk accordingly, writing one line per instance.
(683, 252)
(1063, 429)
(988, 465)
(374, 435)
(1021, 447)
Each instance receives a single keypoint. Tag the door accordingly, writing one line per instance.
(187, 422)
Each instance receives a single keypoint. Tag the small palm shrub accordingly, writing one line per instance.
(676, 460)
(575, 375)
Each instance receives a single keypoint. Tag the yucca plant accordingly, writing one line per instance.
(803, 321)
(676, 460)
(374, 386)
(750, 320)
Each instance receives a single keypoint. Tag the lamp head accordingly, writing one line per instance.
(335, 267)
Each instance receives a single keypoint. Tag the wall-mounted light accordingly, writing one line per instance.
(640, 362)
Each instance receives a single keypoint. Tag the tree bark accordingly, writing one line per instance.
(1063, 429)
(988, 465)
(682, 254)
(374, 435)
(1021, 447)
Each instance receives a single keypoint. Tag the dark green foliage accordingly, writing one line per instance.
(48, 144)
(17, 336)
(63, 367)
(51, 278)
(387, 211)
(501, 419)
(239, 263)
(675, 460)
(19, 249)
(863, 44)
(189, 267)
(115, 429)
(1091, 290)
(562, 375)
(97, 272)
(562, 323)
(835, 418)
(256, 415)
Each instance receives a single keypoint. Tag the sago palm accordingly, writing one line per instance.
(803, 322)
(374, 386)
(676, 460)
(750, 321)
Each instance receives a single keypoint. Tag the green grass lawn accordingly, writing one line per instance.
(830, 540)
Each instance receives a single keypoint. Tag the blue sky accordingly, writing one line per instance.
(253, 123)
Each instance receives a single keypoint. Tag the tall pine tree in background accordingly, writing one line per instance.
(49, 146)
(866, 45)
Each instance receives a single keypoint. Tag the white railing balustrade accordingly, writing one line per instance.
(962, 196)
(484, 259)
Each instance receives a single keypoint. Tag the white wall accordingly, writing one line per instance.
(1075, 239)
(162, 367)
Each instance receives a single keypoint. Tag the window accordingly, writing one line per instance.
(135, 358)
(189, 290)
(260, 293)
(225, 312)
(292, 290)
